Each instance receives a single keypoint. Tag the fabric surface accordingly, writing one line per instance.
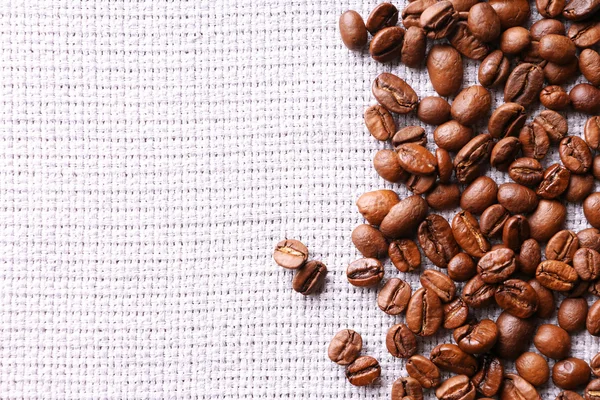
(151, 155)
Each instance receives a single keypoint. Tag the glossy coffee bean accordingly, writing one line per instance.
(497, 265)
(524, 84)
(443, 197)
(553, 124)
(465, 229)
(560, 74)
(552, 341)
(511, 12)
(365, 272)
(492, 220)
(589, 63)
(353, 30)
(572, 314)
(533, 368)
(290, 254)
(514, 40)
(591, 132)
(589, 238)
(546, 26)
(529, 256)
(483, 22)
(461, 268)
(526, 171)
(463, 5)
(369, 241)
(517, 297)
(450, 357)
(494, 69)
(404, 387)
(562, 246)
(546, 303)
(382, 16)
(571, 373)
(555, 97)
(363, 371)
(475, 152)
(445, 68)
(555, 182)
(516, 388)
(387, 165)
(476, 337)
(404, 217)
(505, 152)
(568, 395)
(309, 278)
(476, 293)
(416, 159)
(479, 195)
(394, 94)
(414, 47)
(424, 314)
(550, 8)
(438, 283)
(587, 264)
(534, 141)
(575, 154)
(518, 198)
(452, 136)
(489, 377)
(585, 34)
(455, 313)
(394, 296)
(386, 44)
(433, 110)
(593, 319)
(578, 10)
(547, 219)
(558, 49)
(471, 105)
(591, 209)
(467, 44)
(424, 371)
(420, 184)
(516, 231)
(380, 122)
(437, 242)
(411, 15)
(507, 120)
(405, 255)
(345, 347)
(400, 341)
(514, 335)
(458, 387)
(439, 19)
(580, 187)
(556, 275)
(375, 205)
(592, 390)
(585, 98)
(409, 134)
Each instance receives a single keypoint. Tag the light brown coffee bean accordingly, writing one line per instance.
(555, 97)
(483, 22)
(461, 268)
(380, 122)
(479, 195)
(488, 379)
(394, 94)
(456, 387)
(555, 182)
(465, 229)
(439, 19)
(585, 98)
(445, 68)
(345, 347)
(534, 141)
(578, 10)
(387, 165)
(400, 341)
(363, 371)
(591, 132)
(546, 26)
(515, 387)
(589, 238)
(562, 246)
(404, 217)
(546, 303)
(409, 134)
(593, 319)
(533, 368)
(529, 257)
(414, 47)
(558, 49)
(556, 275)
(517, 297)
(511, 12)
(526, 171)
(494, 69)
(365, 272)
(405, 255)
(386, 44)
(517, 198)
(425, 314)
(290, 254)
(514, 40)
(575, 154)
(394, 296)
(411, 15)
(375, 205)
(406, 387)
(438, 283)
(589, 63)
(572, 314)
(492, 220)
(560, 74)
(424, 371)
(463, 40)
(452, 136)
(476, 293)
(353, 30)
(443, 197)
(471, 105)
(580, 187)
(571, 373)
(585, 34)
(591, 209)
(455, 313)
(475, 152)
(547, 219)
(416, 159)
(554, 124)
(497, 265)
(587, 264)
(437, 242)
(444, 165)
(476, 337)
(514, 335)
(450, 357)
(420, 184)
(433, 110)
(507, 120)
(369, 241)
(524, 84)
(550, 9)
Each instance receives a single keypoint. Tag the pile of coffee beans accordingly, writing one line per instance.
(310, 275)
(495, 242)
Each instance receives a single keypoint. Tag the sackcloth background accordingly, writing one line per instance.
(151, 155)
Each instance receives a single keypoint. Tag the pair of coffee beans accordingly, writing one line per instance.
(310, 275)
(344, 349)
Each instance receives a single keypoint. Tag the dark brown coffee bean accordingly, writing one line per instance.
(595, 362)
(517, 198)
(457, 387)
(524, 84)
(363, 371)
(497, 265)
(572, 314)
(387, 164)
(475, 152)
(550, 9)
(591, 209)
(529, 257)
(365, 272)
(394, 94)
(353, 30)
(589, 238)
(433, 110)
(571, 373)
(585, 34)
(556, 275)
(369, 241)
(558, 49)
(309, 278)
(545, 27)
(493, 219)
(507, 120)
(445, 68)
(471, 105)
(450, 357)
(526, 171)
(467, 44)
(575, 154)
(465, 229)
(555, 97)
(414, 47)
(494, 69)
(516, 388)
(483, 22)
(476, 337)
(400, 341)
(461, 268)
(394, 296)
(555, 182)
(560, 74)
(578, 10)
(380, 122)
(580, 187)
(546, 304)
(290, 254)
(424, 314)
(562, 246)
(444, 165)
(455, 313)
(438, 283)
(404, 217)
(585, 98)
(534, 141)
(382, 16)
(515, 231)
(443, 197)
(547, 219)
(416, 159)
(405, 255)
(479, 195)
(514, 40)
(514, 335)
(375, 205)
(436, 240)
(511, 12)
(386, 44)
(593, 319)
(591, 132)
(411, 15)
(554, 124)
(345, 347)
(587, 264)
(439, 20)
(476, 293)
(452, 136)
(533, 368)
(488, 378)
(406, 387)
(589, 63)
(420, 184)
(424, 371)
(592, 391)
(504, 152)
(517, 297)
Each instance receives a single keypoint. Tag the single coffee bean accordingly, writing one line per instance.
(517, 198)
(424, 314)
(589, 63)
(578, 10)
(529, 257)
(411, 15)
(572, 314)
(526, 171)
(580, 187)
(514, 335)
(560, 74)
(595, 362)
(477, 294)
(414, 47)
(550, 9)
(394, 296)
(309, 278)
(575, 154)
(517, 297)
(439, 19)
(506, 120)
(534, 141)
(457, 387)
(555, 182)
(445, 68)
(465, 229)
(494, 69)
(585, 34)
(437, 242)
(591, 132)
(416, 159)
(369, 241)
(455, 313)
(450, 357)
(409, 134)
(552, 341)
(524, 84)
(533, 368)
(345, 347)
(587, 264)
(420, 184)
(443, 197)
(554, 124)
(514, 40)
(497, 265)
(424, 371)
(400, 341)
(546, 26)
(558, 49)
(516, 388)
(375, 205)
(407, 387)
(463, 40)
(433, 110)
(504, 152)
(461, 268)
(387, 165)
(479, 195)
(591, 209)
(386, 44)
(589, 238)
(363, 371)
(562, 246)
(493, 219)
(585, 98)
(394, 94)
(593, 319)
(353, 30)
(476, 337)
(547, 219)
(438, 283)
(555, 97)
(556, 275)
(488, 378)
(511, 12)
(571, 373)
(380, 122)
(365, 272)
(444, 165)
(404, 217)
(452, 136)
(405, 255)
(290, 254)
(382, 16)
(475, 152)
(483, 22)
(516, 231)
(592, 390)
(471, 105)
(546, 304)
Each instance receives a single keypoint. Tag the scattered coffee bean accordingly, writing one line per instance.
(420, 184)
(411, 15)
(386, 44)
(443, 197)
(353, 30)
(439, 19)
(518, 198)
(511, 12)
(380, 122)
(471, 105)
(530, 256)
(546, 26)
(591, 132)
(515, 388)
(463, 40)
(580, 187)
(524, 84)
(414, 47)
(424, 314)
(365, 272)
(526, 171)
(572, 314)
(533, 368)
(437, 242)
(363, 371)
(585, 34)
(475, 152)
(445, 68)
(405, 255)
(479, 195)
(387, 164)
(514, 335)
(562, 246)
(369, 241)
(416, 159)
(345, 347)
(461, 268)
(452, 136)
(568, 395)
(547, 219)
(558, 49)
(516, 231)
(505, 152)
(476, 337)
(309, 278)
(433, 110)
(507, 119)
(556, 275)
(555, 182)
(375, 205)
(546, 304)
(497, 265)
(517, 297)
(455, 313)
(571, 373)
(404, 217)
(456, 387)
(587, 264)
(465, 229)
(552, 341)
(494, 69)
(394, 94)
(450, 357)
(483, 22)
(575, 154)
(514, 40)
(488, 378)
(444, 165)
(424, 371)
(593, 319)
(493, 219)
(438, 283)
(400, 341)
(550, 9)
(534, 141)
(589, 63)
(555, 97)
(477, 294)
(591, 209)
(578, 10)
(290, 254)
(553, 124)
(585, 98)
(382, 16)
(394, 296)
(589, 238)
(406, 387)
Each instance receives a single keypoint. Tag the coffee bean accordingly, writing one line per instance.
(514, 40)
(555, 97)
(382, 16)
(593, 319)
(596, 167)
(424, 371)
(534, 141)
(411, 15)
(483, 22)
(592, 390)
(555, 182)
(585, 34)
(363, 371)
(365, 272)
(547, 219)
(497, 265)
(516, 231)
(445, 68)
(309, 278)
(450, 357)
(438, 283)
(591, 209)
(455, 313)
(546, 304)
(525, 171)
(416, 159)
(531, 53)
(394, 94)
(386, 44)
(353, 30)
(595, 362)
(420, 184)
(479, 195)
(437, 242)
(504, 152)
(554, 124)
(375, 205)
(524, 84)
(591, 132)
(572, 314)
(546, 26)
(578, 10)
(379, 122)
(456, 387)
(488, 378)
(477, 294)
(558, 49)
(345, 347)
(400, 341)
(471, 105)
(409, 134)
(575, 154)
(425, 314)
(517, 297)
(533, 368)
(553, 342)
(571, 373)
(290, 254)
(556, 275)
(433, 110)
(387, 164)
(585, 98)
(414, 47)
(560, 74)
(405, 255)
(461, 268)
(529, 257)
(511, 12)
(516, 388)
(452, 136)
(476, 337)
(587, 264)
(550, 8)
(562, 246)
(406, 386)
(404, 217)
(506, 120)
(444, 165)
(493, 219)
(394, 296)
(369, 241)
(517, 198)
(514, 335)
(580, 187)
(463, 5)
(467, 44)
(475, 152)
(589, 63)
(439, 19)
(468, 235)
(443, 197)
(494, 69)
(589, 238)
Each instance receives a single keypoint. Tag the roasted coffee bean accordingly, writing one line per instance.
(593, 319)
(438, 283)
(555, 97)
(345, 347)
(420, 184)
(592, 390)
(511, 12)
(517, 297)
(394, 94)
(467, 44)
(424, 314)
(461, 268)
(529, 257)
(450, 357)
(363, 371)
(444, 165)
(547, 219)
(406, 387)
(433, 110)
(458, 387)
(387, 165)
(382, 16)
(558, 49)
(445, 68)
(571, 373)
(369, 241)
(585, 98)
(534, 141)
(533, 368)
(309, 278)
(375, 205)
(394, 296)
(416, 159)
(556, 275)
(424, 371)
(471, 105)
(506, 120)
(476, 337)
(483, 22)
(546, 26)
(479, 195)
(591, 132)
(414, 47)
(514, 40)
(476, 293)
(589, 238)
(514, 335)
(555, 182)
(580, 187)
(353, 30)
(546, 304)
(560, 74)
(452, 136)
(493, 219)
(475, 152)
(589, 63)
(578, 10)
(517, 198)
(365, 272)
(562, 246)
(572, 314)
(497, 265)
(400, 341)
(531, 53)
(524, 84)
(550, 8)
(455, 313)
(404, 217)
(488, 378)
(405, 255)
(595, 362)
(587, 264)
(591, 209)
(585, 34)
(443, 197)
(439, 20)
(516, 388)
(516, 231)
(494, 69)
(386, 44)
(290, 254)
(504, 152)
(465, 229)
(411, 15)
(554, 124)
(553, 342)
(575, 154)
(436, 240)
(526, 171)
(380, 122)
(463, 5)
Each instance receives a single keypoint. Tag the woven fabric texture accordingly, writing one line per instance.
(151, 155)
